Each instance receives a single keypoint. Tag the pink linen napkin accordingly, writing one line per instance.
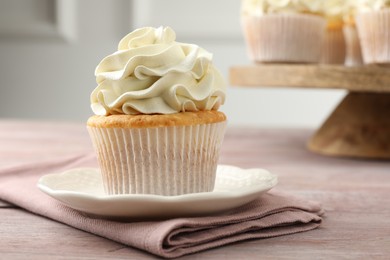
(273, 214)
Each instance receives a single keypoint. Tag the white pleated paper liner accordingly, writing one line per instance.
(284, 37)
(374, 33)
(161, 160)
(352, 44)
(333, 47)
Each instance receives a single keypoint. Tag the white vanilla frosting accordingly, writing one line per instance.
(335, 11)
(261, 7)
(370, 5)
(151, 73)
(335, 8)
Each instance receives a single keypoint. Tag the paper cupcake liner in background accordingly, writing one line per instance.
(333, 47)
(352, 44)
(374, 33)
(163, 160)
(284, 37)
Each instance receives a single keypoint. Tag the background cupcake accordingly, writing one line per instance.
(373, 24)
(334, 46)
(157, 129)
(283, 31)
(352, 42)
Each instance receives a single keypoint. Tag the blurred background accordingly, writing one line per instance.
(49, 50)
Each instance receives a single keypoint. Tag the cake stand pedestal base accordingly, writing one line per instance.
(358, 127)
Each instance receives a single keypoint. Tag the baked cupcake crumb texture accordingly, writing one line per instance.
(142, 121)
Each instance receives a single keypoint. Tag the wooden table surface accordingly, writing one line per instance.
(355, 194)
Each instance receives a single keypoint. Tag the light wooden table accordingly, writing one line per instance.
(359, 126)
(355, 194)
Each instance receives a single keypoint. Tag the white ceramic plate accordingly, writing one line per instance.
(82, 189)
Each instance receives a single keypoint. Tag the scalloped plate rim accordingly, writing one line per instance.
(67, 196)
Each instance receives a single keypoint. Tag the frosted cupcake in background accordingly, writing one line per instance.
(157, 128)
(283, 31)
(352, 42)
(334, 45)
(373, 24)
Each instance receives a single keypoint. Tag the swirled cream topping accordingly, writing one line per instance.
(151, 73)
(335, 8)
(371, 5)
(335, 11)
(261, 7)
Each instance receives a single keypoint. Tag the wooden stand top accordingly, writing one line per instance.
(359, 79)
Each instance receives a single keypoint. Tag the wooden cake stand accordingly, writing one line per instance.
(360, 124)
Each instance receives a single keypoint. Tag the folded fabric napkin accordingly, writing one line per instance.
(272, 214)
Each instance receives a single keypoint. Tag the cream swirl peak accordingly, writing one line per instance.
(151, 73)
(336, 8)
(262, 7)
(371, 5)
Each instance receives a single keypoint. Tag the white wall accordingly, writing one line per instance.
(48, 60)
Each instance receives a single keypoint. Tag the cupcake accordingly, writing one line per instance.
(373, 24)
(283, 31)
(352, 43)
(157, 128)
(334, 46)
